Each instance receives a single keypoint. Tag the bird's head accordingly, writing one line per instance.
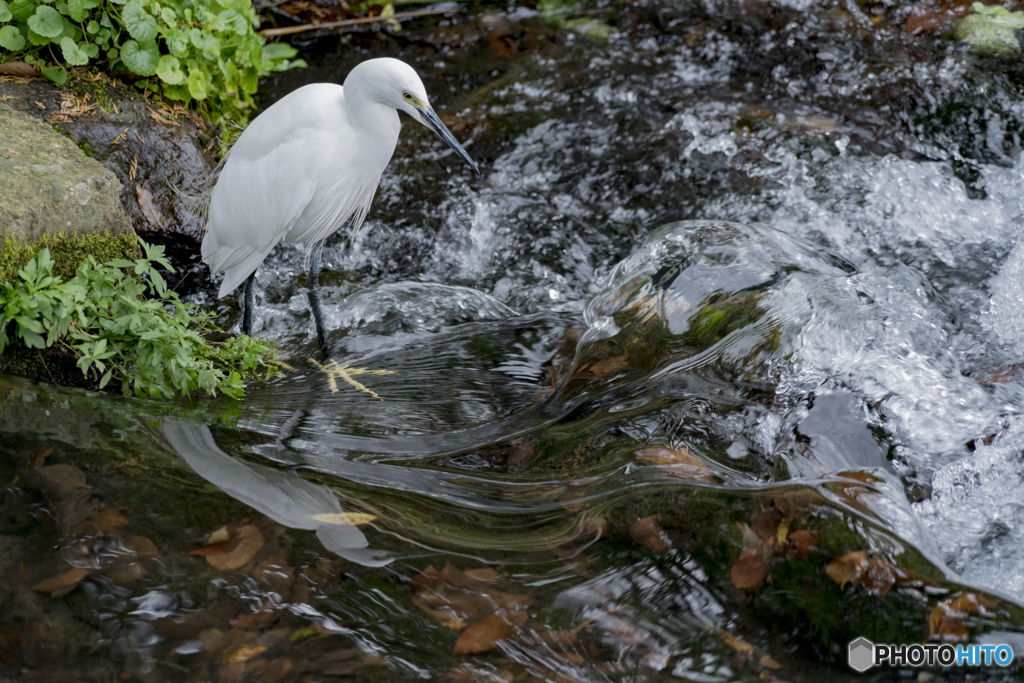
(394, 83)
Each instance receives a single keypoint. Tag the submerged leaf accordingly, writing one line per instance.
(485, 635)
(243, 653)
(239, 551)
(679, 462)
(648, 533)
(61, 584)
(947, 621)
(754, 561)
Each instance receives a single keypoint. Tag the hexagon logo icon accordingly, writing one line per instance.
(862, 655)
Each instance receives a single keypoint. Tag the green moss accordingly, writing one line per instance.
(67, 251)
(98, 92)
(721, 314)
(83, 145)
(86, 148)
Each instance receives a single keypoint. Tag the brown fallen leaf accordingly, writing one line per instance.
(106, 521)
(479, 578)
(746, 651)
(609, 365)
(520, 452)
(947, 621)
(766, 523)
(144, 548)
(800, 544)
(754, 561)
(876, 575)
(245, 543)
(17, 69)
(122, 575)
(648, 533)
(856, 568)
(485, 635)
(59, 482)
(679, 462)
(148, 205)
(39, 455)
(124, 565)
(454, 597)
(61, 584)
(792, 503)
(215, 549)
(762, 540)
(444, 615)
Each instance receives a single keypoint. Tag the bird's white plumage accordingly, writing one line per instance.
(307, 166)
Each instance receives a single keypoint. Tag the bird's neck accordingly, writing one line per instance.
(377, 122)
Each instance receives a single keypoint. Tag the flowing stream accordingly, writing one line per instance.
(730, 259)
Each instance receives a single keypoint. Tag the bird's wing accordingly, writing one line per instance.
(259, 196)
(345, 200)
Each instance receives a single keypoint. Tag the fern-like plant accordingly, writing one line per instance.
(120, 322)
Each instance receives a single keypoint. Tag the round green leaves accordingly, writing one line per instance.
(142, 58)
(46, 22)
(141, 26)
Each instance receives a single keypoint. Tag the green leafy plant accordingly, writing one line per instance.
(153, 346)
(188, 50)
(990, 30)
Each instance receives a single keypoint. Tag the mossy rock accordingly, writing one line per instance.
(67, 249)
(55, 196)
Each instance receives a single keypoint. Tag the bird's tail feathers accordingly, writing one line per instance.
(236, 275)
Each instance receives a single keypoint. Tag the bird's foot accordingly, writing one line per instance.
(345, 372)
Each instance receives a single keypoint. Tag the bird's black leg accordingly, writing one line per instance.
(313, 284)
(249, 296)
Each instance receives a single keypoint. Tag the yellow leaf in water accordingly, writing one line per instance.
(219, 536)
(345, 518)
(243, 654)
(345, 372)
(783, 532)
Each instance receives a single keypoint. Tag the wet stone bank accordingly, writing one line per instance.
(713, 369)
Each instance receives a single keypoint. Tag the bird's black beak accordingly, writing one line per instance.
(433, 122)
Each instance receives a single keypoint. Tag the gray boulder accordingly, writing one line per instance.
(50, 186)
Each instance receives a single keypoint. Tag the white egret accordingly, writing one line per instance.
(308, 166)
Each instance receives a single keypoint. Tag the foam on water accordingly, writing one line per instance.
(584, 163)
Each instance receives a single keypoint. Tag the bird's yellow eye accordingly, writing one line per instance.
(408, 96)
